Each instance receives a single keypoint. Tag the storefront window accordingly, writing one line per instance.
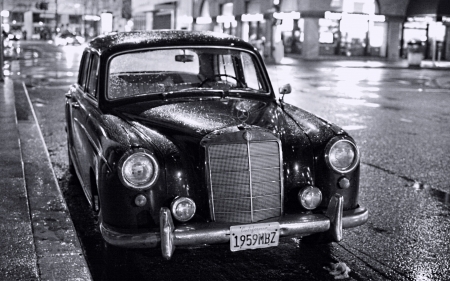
(354, 32)
(353, 29)
(427, 31)
(328, 36)
(291, 27)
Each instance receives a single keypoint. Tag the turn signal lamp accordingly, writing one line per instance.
(140, 200)
(344, 183)
(183, 208)
(310, 197)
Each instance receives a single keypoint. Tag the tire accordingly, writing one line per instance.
(71, 166)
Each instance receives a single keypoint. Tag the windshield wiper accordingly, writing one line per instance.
(191, 90)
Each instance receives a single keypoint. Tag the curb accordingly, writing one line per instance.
(58, 249)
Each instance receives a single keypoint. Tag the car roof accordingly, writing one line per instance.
(124, 41)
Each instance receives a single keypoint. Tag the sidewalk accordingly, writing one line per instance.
(38, 239)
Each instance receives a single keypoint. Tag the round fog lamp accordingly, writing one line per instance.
(140, 200)
(310, 197)
(183, 209)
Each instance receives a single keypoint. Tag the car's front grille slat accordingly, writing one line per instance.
(245, 181)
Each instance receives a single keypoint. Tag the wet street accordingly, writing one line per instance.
(400, 119)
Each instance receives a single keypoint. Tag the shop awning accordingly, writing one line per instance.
(428, 8)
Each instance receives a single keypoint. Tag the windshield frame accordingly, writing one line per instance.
(260, 69)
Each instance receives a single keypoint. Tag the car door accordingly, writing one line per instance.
(82, 102)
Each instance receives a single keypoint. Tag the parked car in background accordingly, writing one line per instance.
(67, 38)
(178, 139)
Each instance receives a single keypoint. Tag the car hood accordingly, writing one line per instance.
(199, 118)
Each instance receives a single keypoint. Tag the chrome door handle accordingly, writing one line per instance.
(75, 104)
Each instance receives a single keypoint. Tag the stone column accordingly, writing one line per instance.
(310, 46)
(268, 50)
(446, 48)
(394, 37)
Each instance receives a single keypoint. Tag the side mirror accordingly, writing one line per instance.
(285, 89)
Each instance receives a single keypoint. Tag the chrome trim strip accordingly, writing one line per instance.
(249, 159)
(281, 176)
(209, 184)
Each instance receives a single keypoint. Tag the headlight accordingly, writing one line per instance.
(138, 169)
(310, 197)
(183, 208)
(342, 155)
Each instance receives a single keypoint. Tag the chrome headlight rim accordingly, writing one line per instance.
(177, 201)
(126, 157)
(333, 142)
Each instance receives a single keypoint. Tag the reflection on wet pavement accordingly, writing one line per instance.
(38, 68)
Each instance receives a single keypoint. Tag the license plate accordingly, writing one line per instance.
(254, 236)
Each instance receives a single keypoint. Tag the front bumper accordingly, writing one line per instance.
(332, 223)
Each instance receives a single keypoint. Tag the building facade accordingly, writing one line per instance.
(310, 28)
(42, 19)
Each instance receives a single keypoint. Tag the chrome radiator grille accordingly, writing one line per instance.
(245, 181)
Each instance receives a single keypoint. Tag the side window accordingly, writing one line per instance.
(93, 73)
(83, 72)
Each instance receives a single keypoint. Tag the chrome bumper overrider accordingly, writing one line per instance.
(332, 222)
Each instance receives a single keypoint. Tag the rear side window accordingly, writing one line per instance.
(93, 74)
(83, 72)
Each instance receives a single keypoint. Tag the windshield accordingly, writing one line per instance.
(183, 69)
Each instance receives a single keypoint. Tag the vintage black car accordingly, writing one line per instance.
(178, 139)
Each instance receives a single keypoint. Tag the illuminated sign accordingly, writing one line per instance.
(333, 16)
(339, 16)
(5, 13)
(223, 19)
(254, 17)
(91, 18)
(107, 22)
(203, 20)
(287, 16)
